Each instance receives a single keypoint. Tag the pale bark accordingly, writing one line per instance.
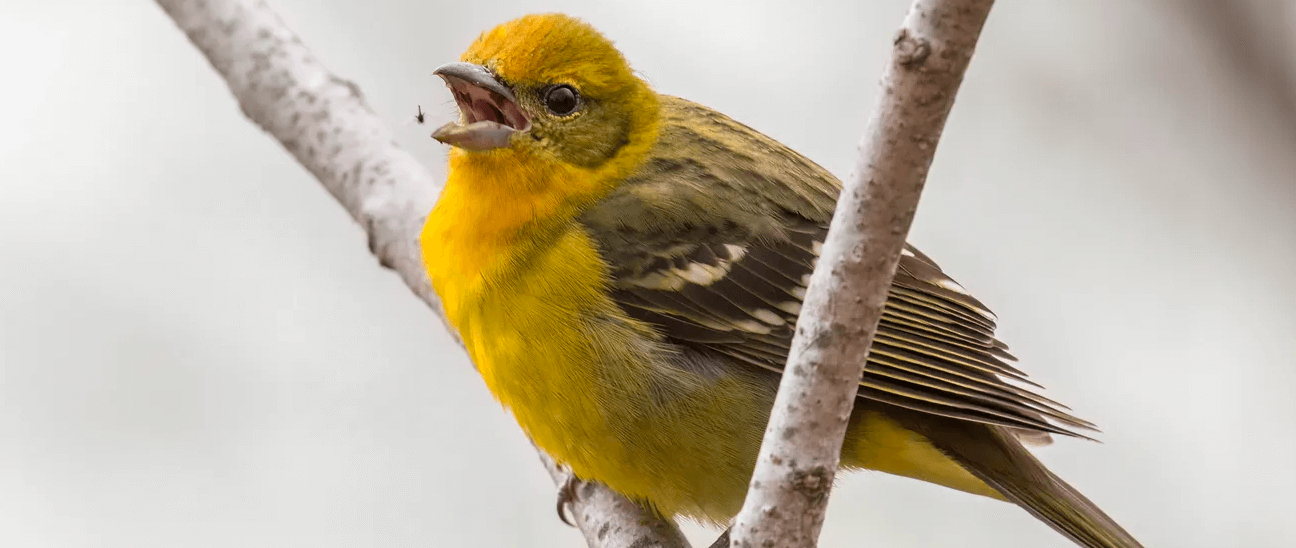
(799, 457)
(324, 122)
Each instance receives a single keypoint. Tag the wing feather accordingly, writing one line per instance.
(716, 257)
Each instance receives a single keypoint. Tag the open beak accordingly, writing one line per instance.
(488, 111)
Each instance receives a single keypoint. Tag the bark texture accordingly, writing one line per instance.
(799, 456)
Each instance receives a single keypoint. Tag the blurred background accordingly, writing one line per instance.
(196, 348)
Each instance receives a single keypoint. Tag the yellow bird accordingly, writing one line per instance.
(626, 269)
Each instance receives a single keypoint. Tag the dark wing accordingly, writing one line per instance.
(716, 256)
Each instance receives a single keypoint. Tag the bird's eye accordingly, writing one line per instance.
(561, 100)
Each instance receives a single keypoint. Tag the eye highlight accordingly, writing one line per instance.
(561, 99)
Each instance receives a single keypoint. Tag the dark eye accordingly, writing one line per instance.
(561, 99)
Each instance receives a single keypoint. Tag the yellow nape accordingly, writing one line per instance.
(877, 442)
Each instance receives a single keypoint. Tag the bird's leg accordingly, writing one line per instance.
(723, 541)
(567, 496)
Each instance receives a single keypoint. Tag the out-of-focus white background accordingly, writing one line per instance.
(196, 348)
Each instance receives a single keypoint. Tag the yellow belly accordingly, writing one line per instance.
(598, 393)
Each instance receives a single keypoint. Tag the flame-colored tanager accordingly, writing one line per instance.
(626, 268)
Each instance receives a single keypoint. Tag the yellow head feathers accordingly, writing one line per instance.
(552, 48)
(549, 91)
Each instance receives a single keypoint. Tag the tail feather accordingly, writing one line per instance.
(1002, 462)
(1068, 512)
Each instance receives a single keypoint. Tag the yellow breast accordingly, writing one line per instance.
(521, 288)
(593, 388)
(586, 383)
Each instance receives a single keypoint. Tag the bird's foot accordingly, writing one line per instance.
(567, 496)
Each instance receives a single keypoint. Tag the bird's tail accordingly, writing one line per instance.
(1002, 462)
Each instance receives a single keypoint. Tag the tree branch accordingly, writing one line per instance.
(324, 122)
(799, 456)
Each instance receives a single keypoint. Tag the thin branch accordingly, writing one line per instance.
(609, 520)
(324, 122)
(799, 456)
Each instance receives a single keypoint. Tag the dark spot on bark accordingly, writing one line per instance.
(586, 489)
(836, 331)
(644, 542)
(911, 51)
(814, 483)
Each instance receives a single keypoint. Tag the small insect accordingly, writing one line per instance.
(419, 117)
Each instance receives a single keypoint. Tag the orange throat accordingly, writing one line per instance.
(496, 208)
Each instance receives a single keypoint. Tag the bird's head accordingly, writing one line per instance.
(549, 88)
